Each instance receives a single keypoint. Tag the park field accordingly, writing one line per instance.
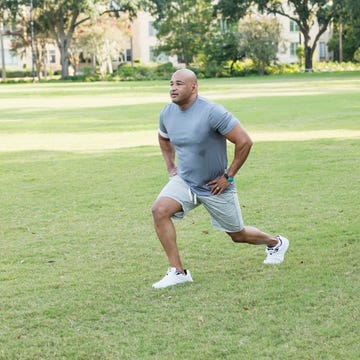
(79, 171)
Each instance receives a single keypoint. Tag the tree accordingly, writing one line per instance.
(345, 40)
(259, 40)
(8, 10)
(222, 45)
(64, 16)
(233, 10)
(357, 55)
(2, 52)
(182, 27)
(300, 53)
(102, 41)
(346, 34)
(22, 41)
(304, 12)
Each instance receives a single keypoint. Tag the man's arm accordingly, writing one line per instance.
(243, 144)
(168, 151)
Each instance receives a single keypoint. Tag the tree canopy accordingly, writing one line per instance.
(191, 29)
(182, 27)
(62, 17)
(346, 31)
(302, 12)
(259, 40)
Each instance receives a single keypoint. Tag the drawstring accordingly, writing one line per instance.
(193, 197)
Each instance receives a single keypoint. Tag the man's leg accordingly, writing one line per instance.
(163, 209)
(254, 236)
(226, 215)
(276, 245)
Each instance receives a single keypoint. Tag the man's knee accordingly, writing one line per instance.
(158, 210)
(164, 209)
(239, 236)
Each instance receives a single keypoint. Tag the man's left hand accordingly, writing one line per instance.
(218, 185)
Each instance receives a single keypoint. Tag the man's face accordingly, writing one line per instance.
(182, 89)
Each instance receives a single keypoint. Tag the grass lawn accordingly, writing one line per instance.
(79, 254)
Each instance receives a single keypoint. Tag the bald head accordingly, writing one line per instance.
(183, 88)
(186, 74)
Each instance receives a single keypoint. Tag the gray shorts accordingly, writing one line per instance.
(224, 209)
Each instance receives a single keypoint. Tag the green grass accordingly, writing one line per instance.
(78, 252)
(310, 101)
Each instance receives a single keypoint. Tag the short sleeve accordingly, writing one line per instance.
(221, 120)
(162, 128)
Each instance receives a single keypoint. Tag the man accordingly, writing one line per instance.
(196, 130)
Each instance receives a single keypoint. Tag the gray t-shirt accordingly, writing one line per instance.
(197, 135)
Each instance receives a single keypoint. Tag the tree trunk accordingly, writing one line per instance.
(63, 36)
(64, 59)
(340, 41)
(308, 58)
(2, 50)
(261, 68)
(308, 49)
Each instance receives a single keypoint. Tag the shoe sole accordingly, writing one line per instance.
(164, 287)
(188, 279)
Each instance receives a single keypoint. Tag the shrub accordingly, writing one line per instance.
(282, 69)
(126, 72)
(335, 66)
(164, 71)
(131, 73)
(83, 77)
(12, 74)
(357, 55)
(243, 68)
(203, 69)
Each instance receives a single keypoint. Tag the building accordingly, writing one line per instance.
(292, 38)
(145, 41)
(142, 42)
(24, 61)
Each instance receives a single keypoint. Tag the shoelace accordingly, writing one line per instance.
(275, 249)
(177, 272)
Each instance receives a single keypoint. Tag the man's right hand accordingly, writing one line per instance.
(173, 172)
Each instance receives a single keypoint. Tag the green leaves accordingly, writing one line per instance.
(259, 40)
(184, 27)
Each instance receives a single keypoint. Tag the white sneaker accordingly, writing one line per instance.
(276, 254)
(173, 277)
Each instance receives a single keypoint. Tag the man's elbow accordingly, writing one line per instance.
(248, 142)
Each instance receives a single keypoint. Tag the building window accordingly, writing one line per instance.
(322, 50)
(162, 58)
(152, 30)
(128, 55)
(294, 27)
(51, 57)
(223, 25)
(152, 53)
(293, 47)
(10, 59)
